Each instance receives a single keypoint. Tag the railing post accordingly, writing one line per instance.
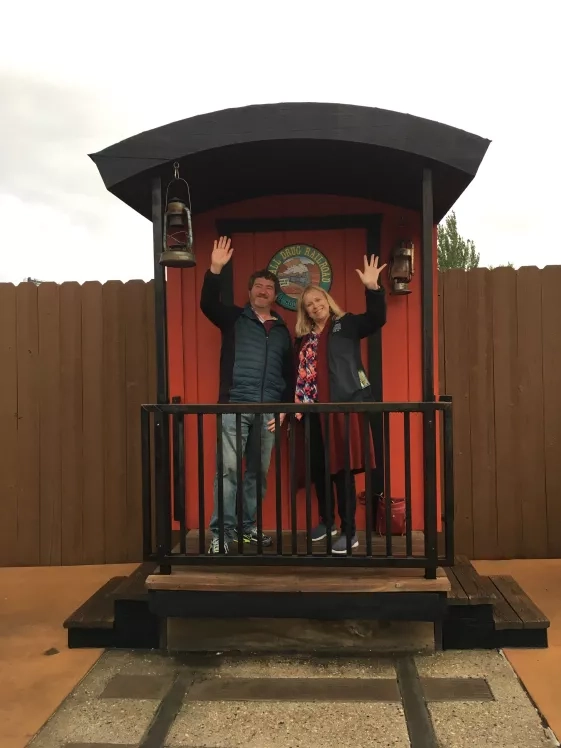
(146, 458)
(387, 483)
(201, 481)
(429, 470)
(293, 486)
(239, 482)
(178, 436)
(448, 474)
(278, 483)
(308, 482)
(163, 497)
(258, 424)
(408, 508)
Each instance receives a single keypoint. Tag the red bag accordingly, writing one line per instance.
(398, 516)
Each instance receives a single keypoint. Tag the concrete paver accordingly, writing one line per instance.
(511, 721)
(289, 725)
(87, 715)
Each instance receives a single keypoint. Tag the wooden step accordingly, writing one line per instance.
(92, 624)
(520, 608)
(289, 579)
(467, 586)
(490, 612)
(97, 611)
(133, 587)
(117, 615)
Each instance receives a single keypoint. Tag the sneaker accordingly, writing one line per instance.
(320, 532)
(214, 547)
(340, 545)
(251, 536)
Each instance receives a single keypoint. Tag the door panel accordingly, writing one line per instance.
(344, 248)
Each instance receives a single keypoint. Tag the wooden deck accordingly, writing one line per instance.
(398, 546)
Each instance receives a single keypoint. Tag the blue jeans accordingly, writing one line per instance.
(254, 462)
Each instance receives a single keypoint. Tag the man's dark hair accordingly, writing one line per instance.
(266, 275)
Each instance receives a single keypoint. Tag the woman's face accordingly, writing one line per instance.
(316, 306)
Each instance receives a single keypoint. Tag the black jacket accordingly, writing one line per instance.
(254, 367)
(347, 378)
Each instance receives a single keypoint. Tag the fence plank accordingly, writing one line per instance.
(531, 461)
(8, 425)
(505, 345)
(50, 423)
(457, 383)
(151, 342)
(114, 423)
(482, 413)
(441, 337)
(551, 347)
(71, 419)
(136, 372)
(29, 506)
(93, 509)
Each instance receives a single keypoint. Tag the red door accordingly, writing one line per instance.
(344, 249)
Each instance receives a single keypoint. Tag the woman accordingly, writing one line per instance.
(330, 370)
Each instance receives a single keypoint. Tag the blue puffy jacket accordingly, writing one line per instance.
(254, 366)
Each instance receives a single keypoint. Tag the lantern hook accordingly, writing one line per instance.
(177, 178)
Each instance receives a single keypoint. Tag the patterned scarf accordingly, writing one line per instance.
(306, 381)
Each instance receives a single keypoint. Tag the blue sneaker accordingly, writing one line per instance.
(320, 532)
(340, 545)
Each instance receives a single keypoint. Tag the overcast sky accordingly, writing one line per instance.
(75, 78)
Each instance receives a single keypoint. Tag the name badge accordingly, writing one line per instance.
(363, 379)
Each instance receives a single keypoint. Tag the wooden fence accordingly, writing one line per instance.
(500, 359)
(76, 362)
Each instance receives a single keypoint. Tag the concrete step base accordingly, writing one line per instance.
(296, 635)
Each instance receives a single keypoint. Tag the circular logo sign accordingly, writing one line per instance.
(297, 266)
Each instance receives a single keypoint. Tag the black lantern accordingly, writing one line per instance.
(178, 231)
(402, 267)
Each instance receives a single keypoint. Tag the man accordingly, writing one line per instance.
(256, 366)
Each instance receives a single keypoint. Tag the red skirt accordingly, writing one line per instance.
(337, 452)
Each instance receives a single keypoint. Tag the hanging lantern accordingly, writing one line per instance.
(178, 231)
(402, 267)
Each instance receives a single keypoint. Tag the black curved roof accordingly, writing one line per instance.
(297, 148)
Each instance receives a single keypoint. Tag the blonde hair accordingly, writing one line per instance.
(304, 323)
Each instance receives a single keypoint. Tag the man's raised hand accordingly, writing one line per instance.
(221, 254)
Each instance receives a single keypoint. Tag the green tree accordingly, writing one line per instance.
(453, 250)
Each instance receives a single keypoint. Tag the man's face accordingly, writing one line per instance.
(262, 295)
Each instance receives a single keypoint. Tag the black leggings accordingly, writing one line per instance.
(346, 494)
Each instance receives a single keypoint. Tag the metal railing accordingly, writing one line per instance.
(167, 472)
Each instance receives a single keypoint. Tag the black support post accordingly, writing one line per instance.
(162, 441)
(427, 321)
(427, 288)
(159, 294)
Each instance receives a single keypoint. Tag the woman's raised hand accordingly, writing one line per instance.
(371, 274)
